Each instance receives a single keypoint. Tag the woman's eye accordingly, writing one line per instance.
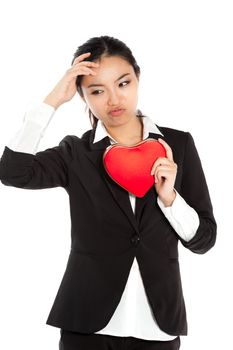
(96, 91)
(126, 81)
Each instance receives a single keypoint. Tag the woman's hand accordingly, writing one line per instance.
(66, 88)
(165, 170)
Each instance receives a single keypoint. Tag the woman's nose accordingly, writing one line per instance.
(113, 99)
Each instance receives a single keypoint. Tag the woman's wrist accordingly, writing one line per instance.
(168, 201)
(50, 100)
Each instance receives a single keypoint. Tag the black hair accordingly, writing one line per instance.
(104, 46)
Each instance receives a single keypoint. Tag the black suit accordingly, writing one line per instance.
(106, 235)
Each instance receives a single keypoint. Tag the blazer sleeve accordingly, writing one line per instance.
(45, 169)
(195, 191)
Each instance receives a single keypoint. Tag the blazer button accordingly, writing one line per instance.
(135, 239)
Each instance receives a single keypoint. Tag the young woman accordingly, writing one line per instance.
(121, 288)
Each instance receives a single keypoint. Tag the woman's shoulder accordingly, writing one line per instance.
(76, 142)
(74, 139)
(175, 136)
(168, 131)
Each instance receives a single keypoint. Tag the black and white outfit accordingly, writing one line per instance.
(122, 279)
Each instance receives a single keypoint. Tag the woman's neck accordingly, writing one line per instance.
(128, 134)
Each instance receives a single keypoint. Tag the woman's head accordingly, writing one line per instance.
(115, 60)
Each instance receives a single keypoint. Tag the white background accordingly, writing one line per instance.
(184, 49)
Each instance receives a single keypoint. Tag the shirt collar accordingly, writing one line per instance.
(148, 126)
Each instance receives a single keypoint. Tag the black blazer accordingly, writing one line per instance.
(106, 235)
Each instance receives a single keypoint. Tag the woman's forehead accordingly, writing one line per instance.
(111, 64)
(108, 70)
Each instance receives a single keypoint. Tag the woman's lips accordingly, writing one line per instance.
(117, 112)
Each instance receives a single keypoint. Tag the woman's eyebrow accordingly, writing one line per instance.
(91, 85)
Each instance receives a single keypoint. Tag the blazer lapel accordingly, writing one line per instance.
(121, 196)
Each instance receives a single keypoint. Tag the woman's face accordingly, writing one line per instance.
(116, 86)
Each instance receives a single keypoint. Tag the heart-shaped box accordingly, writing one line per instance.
(130, 166)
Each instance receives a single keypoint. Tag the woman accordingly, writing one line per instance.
(122, 286)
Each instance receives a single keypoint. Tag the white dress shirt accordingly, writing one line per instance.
(133, 315)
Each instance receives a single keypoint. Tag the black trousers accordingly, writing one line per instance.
(79, 341)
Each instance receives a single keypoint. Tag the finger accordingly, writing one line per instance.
(160, 161)
(87, 71)
(81, 57)
(87, 63)
(83, 68)
(80, 69)
(163, 171)
(167, 148)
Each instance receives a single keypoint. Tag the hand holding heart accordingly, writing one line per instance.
(164, 170)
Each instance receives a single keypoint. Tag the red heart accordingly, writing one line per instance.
(130, 166)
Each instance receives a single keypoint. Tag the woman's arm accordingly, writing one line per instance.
(48, 168)
(21, 166)
(195, 192)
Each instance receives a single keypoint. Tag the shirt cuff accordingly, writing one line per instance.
(40, 114)
(183, 218)
(36, 120)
